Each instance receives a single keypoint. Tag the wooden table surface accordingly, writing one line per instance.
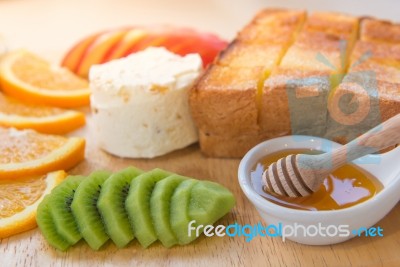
(30, 249)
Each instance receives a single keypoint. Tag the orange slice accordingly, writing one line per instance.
(32, 79)
(19, 200)
(25, 153)
(44, 119)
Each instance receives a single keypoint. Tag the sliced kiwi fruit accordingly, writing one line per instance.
(47, 227)
(138, 205)
(60, 208)
(84, 209)
(149, 206)
(179, 214)
(111, 205)
(209, 202)
(160, 208)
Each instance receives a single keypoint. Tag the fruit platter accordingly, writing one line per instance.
(121, 139)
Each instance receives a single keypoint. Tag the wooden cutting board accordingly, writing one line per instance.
(30, 249)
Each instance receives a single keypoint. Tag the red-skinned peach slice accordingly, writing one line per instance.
(117, 43)
(208, 46)
(185, 46)
(149, 40)
(95, 53)
(189, 41)
(121, 48)
(74, 56)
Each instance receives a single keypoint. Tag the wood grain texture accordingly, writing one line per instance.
(30, 249)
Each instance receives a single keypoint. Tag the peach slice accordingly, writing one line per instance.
(95, 53)
(74, 56)
(121, 48)
(103, 47)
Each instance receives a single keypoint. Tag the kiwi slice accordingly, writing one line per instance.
(111, 205)
(209, 202)
(60, 208)
(151, 205)
(138, 205)
(47, 227)
(179, 214)
(84, 208)
(160, 208)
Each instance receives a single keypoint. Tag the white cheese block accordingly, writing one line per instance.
(140, 103)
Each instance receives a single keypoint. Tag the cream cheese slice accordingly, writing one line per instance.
(140, 103)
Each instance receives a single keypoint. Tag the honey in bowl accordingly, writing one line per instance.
(345, 187)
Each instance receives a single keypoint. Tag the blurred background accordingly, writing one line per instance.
(49, 27)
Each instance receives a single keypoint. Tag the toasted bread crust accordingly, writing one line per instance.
(334, 24)
(302, 80)
(374, 30)
(222, 102)
(272, 26)
(242, 55)
(283, 73)
(228, 147)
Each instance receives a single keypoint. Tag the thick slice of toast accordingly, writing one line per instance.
(301, 84)
(229, 147)
(387, 54)
(289, 101)
(387, 70)
(224, 102)
(273, 26)
(373, 30)
(255, 91)
(370, 92)
(241, 55)
(312, 52)
(334, 24)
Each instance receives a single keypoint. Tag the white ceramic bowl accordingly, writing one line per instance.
(385, 167)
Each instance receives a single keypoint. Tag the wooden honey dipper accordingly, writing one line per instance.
(301, 175)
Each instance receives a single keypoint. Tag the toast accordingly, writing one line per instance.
(301, 83)
(286, 73)
(224, 101)
(373, 79)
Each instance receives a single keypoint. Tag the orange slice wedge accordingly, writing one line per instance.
(44, 119)
(32, 79)
(19, 200)
(25, 153)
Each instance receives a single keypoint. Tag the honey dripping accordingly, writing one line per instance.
(345, 187)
